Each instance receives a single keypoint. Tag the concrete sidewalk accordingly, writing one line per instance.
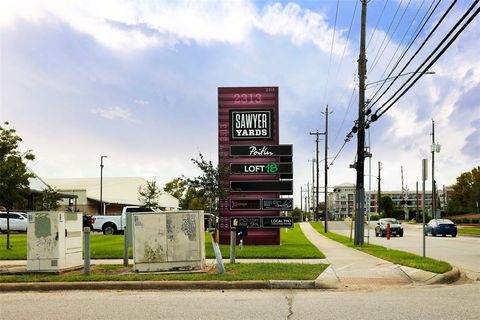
(350, 267)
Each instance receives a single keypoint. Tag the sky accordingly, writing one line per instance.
(137, 81)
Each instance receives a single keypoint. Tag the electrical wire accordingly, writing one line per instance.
(403, 38)
(376, 25)
(417, 32)
(331, 53)
(452, 40)
(388, 30)
(439, 22)
(375, 62)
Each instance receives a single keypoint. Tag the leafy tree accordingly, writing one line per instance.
(210, 185)
(149, 196)
(14, 174)
(386, 206)
(297, 214)
(466, 192)
(176, 188)
(49, 200)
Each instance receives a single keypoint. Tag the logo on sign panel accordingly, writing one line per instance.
(251, 124)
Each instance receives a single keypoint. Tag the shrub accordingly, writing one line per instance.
(374, 217)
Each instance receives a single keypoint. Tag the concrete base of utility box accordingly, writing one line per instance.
(168, 266)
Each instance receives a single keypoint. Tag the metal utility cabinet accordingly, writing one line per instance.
(168, 241)
(54, 241)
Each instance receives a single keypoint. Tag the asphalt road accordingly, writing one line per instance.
(461, 251)
(432, 302)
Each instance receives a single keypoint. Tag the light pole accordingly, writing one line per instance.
(101, 185)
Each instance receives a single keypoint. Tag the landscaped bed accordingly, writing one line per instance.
(392, 255)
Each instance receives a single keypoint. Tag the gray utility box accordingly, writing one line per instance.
(168, 241)
(54, 241)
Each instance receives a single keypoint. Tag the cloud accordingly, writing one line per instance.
(112, 113)
(141, 102)
(132, 25)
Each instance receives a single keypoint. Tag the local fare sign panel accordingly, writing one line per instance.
(251, 124)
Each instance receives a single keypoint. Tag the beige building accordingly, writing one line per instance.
(116, 193)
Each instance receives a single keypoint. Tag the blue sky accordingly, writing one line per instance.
(137, 81)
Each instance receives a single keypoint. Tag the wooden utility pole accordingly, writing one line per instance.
(360, 188)
(317, 134)
(379, 193)
(326, 168)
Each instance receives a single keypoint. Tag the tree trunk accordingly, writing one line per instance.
(8, 229)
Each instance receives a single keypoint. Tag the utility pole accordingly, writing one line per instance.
(313, 182)
(379, 193)
(317, 134)
(308, 195)
(102, 212)
(301, 202)
(360, 188)
(416, 215)
(433, 169)
(326, 167)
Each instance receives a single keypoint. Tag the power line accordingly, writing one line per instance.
(347, 111)
(439, 54)
(376, 25)
(439, 22)
(403, 38)
(417, 32)
(374, 64)
(331, 53)
(388, 30)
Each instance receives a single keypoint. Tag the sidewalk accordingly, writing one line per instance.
(350, 267)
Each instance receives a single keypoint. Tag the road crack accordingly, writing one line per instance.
(289, 298)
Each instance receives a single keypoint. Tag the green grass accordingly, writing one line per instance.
(468, 230)
(394, 256)
(234, 272)
(294, 245)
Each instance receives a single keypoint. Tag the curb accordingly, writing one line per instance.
(445, 278)
(136, 285)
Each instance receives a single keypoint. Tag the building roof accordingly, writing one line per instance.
(121, 190)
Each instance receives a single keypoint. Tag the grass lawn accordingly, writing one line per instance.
(468, 230)
(395, 256)
(234, 272)
(294, 246)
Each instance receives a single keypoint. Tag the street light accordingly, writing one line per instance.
(101, 185)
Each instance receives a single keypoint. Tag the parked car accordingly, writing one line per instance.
(441, 226)
(209, 220)
(88, 221)
(18, 221)
(116, 224)
(395, 227)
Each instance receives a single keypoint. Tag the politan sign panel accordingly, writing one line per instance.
(277, 204)
(245, 204)
(260, 168)
(261, 150)
(251, 124)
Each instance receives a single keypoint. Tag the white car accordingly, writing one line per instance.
(18, 221)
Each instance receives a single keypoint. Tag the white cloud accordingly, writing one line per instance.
(112, 113)
(129, 25)
(141, 102)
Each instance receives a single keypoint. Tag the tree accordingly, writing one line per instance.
(149, 195)
(385, 205)
(466, 192)
(297, 214)
(49, 200)
(210, 185)
(14, 175)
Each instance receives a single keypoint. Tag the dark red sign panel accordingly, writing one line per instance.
(248, 116)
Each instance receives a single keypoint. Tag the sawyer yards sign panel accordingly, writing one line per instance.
(251, 124)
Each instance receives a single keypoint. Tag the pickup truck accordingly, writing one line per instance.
(116, 224)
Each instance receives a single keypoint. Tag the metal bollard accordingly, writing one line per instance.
(388, 231)
(86, 251)
(233, 240)
(125, 247)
